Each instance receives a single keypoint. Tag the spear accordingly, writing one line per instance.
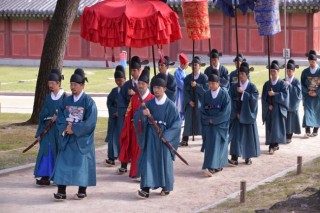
(155, 125)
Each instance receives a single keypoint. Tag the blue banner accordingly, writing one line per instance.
(267, 16)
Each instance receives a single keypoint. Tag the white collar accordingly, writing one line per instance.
(145, 94)
(196, 76)
(119, 88)
(290, 79)
(214, 94)
(313, 71)
(76, 98)
(134, 82)
(162, 100)
(274, 82)
(216, 67)
(244, 86)
(58, 96)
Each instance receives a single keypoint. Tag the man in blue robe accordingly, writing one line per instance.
(295, 96)
(112, 104)
(310, 82)
(275, 102)
(233, 77)
(180, 75)
(156, 159)
(195, 85)
(171, 87)
(48, 148)
(223, 71)
(76, 122)
(215, 116)
(243, 126)
(126, 92)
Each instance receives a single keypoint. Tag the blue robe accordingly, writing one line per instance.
(295, 96)
(244, 132)
(224, 77)
(180, 75)
(48, 148)
(275, 120)
(171, 90)
(311, 105)
(112, 102)
(156, 160)
(199, 90)
(123, 100)
(215, 116)
(113, 133)
(76, 162)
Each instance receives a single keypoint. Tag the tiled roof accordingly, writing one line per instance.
(45, 8)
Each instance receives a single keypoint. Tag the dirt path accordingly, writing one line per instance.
(192, 193)
(114, 193)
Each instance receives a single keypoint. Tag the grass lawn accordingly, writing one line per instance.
(100, 80)
(15, 138)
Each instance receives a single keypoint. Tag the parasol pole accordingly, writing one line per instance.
(154, 62)
(237, 39)
(210, 57)
(129, 63)
(285, 37)
(193, 94)
(269, 66)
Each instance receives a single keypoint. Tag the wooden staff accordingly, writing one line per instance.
(158, 130)
(41, 135)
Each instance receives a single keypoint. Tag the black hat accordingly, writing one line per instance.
(290, 66)
(119, 72)
(135, 62)
(145, 75)
(291, 61)
(196, 60)
(214, 53)
(239, 57)
(58, 72)
(78, 76)
(214, 71)
(166, 61)
(274, 66)
(244, 68)
(54, 77)
(213, 78)
(312, 57)
(159, 80)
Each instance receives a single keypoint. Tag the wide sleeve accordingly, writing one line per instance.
(224, 77)
(282, 96)
(202, 86)
(186, 92)
(249, 106)
(179, 79)
(43, 114)
(171, 89)
(112, 101)
(140, 126)
(264, 101)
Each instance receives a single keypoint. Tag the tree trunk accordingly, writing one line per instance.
(53, 50)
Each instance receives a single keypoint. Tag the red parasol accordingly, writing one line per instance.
(131, 23)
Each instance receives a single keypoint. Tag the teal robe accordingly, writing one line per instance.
(199, 90)
(76, 162)
(275, 120)
(215, 116)
(156, 160)
(295, 96)
(311, 105)
(49, 142)
(244, 132)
